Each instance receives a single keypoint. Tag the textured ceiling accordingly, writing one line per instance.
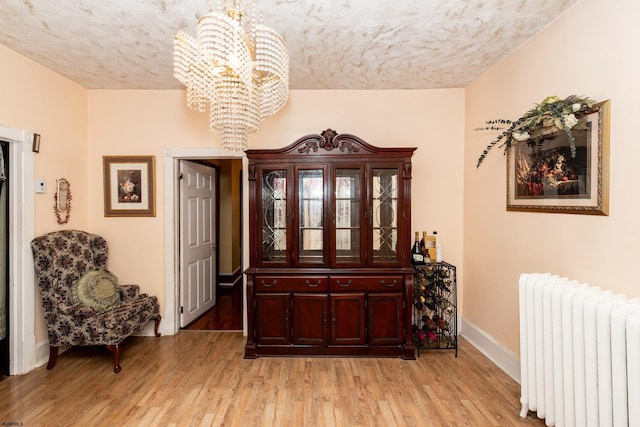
(333, 44)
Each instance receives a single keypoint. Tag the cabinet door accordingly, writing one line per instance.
(272, 319)
(273, 216)
(385, 319)
(310, 319)
(347, 205)
(384, 200)
(348, 319)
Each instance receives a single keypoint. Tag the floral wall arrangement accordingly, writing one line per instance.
(551, 115)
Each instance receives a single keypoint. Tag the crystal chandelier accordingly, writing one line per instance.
(235, 65)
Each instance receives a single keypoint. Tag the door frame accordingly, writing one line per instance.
(22, 295)
(170, 324)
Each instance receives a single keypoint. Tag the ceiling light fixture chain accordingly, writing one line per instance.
(235, 66)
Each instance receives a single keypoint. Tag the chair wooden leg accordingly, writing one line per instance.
(53, 357)
(116, 350)
(155, 326)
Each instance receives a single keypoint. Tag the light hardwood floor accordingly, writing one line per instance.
(199, 378)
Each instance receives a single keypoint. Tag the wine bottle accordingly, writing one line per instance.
(438, 248)
(423, 245)
(416, 254)
(429, 248)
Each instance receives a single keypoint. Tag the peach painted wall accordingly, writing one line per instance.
(144, 122)
(38, 100)
(236, 213)
(590, 50)
(230, 216)
(225, 219)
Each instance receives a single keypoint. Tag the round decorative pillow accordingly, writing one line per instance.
(97, 289)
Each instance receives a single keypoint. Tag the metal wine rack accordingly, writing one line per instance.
(435, 314)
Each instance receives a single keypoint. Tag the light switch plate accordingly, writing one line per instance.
(40, 185)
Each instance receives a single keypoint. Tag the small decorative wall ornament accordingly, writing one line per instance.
(62, 199)
(551, 115)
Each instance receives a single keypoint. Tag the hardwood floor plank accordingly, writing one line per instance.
(200, 378)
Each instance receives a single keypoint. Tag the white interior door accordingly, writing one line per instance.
(198, 251)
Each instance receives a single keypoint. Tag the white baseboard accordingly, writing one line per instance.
(148, 330)
(42, 352)
(505, 359)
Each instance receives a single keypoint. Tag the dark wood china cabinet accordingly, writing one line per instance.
(330, 270)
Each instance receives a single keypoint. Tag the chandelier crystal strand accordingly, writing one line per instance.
(236, 66)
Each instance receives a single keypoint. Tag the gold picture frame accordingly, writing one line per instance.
(546, 177)
(129, 186)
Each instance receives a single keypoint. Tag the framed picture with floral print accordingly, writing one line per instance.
(544, 176)
(129, 185)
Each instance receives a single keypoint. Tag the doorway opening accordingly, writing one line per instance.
(210, 244)
(4, 260)
(211, 268)
(20, 191)
(233, 250)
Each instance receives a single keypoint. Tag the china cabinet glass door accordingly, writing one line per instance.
(311, 216)
(274, 215)
(385, 215)
(347, 216)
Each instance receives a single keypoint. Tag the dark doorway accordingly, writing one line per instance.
(4, 260)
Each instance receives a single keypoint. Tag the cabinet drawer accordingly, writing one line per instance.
(365, 283)
(291, 284)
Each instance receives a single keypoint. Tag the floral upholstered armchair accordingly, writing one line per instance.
(82, 302)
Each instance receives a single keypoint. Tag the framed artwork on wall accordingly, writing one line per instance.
(129, 186)
(543, 175)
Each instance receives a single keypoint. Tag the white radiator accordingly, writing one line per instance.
(579, 353)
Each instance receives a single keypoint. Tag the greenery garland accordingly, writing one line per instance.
(551, 115)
